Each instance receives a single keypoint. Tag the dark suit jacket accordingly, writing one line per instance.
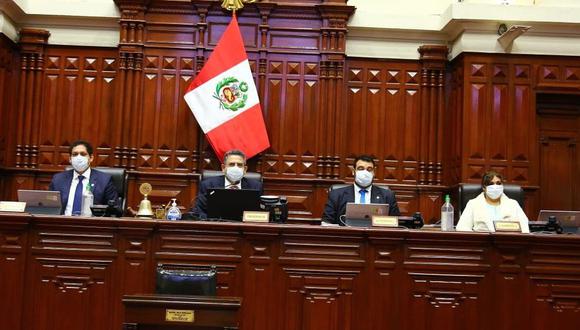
(200, 208)
(104, 190)
(337, 199)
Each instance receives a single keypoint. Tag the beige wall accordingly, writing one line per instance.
(379, 28)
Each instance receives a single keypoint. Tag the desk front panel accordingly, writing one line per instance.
(71, 273)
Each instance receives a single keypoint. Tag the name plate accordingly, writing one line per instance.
(179, 315)
(12, 206)
(508, 226)
(256, 216)
(385, 221)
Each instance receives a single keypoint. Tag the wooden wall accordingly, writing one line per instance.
(494, 121)
(427, 122)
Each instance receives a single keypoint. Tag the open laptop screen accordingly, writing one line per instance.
(41, 201)
(360, 215)
(569, 220)
(230, 204)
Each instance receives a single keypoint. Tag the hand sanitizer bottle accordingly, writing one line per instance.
(447, 215)
(88, 199)
(173, 213)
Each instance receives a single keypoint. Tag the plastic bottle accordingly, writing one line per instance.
(173, 213)
(447, 215)
(88, 199)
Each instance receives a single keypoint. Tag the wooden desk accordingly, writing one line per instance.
(72, 273)
(144, 312)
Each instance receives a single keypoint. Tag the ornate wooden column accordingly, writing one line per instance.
(130, 81)
(433, 59)
(32, 45)
(332, 64)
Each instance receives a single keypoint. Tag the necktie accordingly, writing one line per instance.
(78, 200)
(363, 194)
(233, 186)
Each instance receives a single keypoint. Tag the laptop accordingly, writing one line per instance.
(230, 204)
(359, 215)
(569, 220)
(41, 201)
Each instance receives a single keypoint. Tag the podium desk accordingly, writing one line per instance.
(72, 273)
(164, 312)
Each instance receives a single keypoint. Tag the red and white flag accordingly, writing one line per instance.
(224, 99)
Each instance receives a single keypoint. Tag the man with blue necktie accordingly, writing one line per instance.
(72, 184)
(362, 191)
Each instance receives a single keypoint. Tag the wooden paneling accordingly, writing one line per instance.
(9, 61)
(496, 116)
(382, 118)
(321, 108)
(78, 97)
(290, 276)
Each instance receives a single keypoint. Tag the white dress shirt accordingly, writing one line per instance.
(357, 190)
(228, 184)
(73, 188)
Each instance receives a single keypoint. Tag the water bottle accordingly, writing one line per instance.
(447, 215)
(173, 213)
(88, 199)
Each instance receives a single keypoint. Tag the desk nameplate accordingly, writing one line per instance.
(17, 207)
(256, 216)
(507, 226)
(179, 315)
(385, 221)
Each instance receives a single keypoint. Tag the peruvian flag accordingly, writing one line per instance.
(224, 99)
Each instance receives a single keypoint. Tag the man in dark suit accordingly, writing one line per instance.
(82, 180)
(234, 168)
(362, 191)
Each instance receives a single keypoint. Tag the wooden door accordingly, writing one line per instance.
(559, 132)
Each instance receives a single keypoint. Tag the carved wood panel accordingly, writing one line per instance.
(77, 103)
(13, 250)
(382, 118)
(292, 277)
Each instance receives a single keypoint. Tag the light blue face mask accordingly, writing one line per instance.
(234, 173)
(494, 191)
(80, 163)
(363, 178)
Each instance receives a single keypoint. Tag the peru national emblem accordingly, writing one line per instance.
(231, 93)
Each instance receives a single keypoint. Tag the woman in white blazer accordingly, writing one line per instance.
(491, 205)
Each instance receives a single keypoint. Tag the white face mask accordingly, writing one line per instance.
(80, 163)
(363, 178)
(234, 173)
(494, 191)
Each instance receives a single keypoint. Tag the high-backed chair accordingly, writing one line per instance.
(186, 280)
(343, 185)
(337, 186)
(468, 191)
(249, 175)
(120, 177)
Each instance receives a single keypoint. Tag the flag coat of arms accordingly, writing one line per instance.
(224, 99)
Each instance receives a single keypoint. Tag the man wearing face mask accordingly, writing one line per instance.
(72, 184)
(234, 168)
(362, 191)
(491, 205)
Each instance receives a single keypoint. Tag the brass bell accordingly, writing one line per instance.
(145, 210)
